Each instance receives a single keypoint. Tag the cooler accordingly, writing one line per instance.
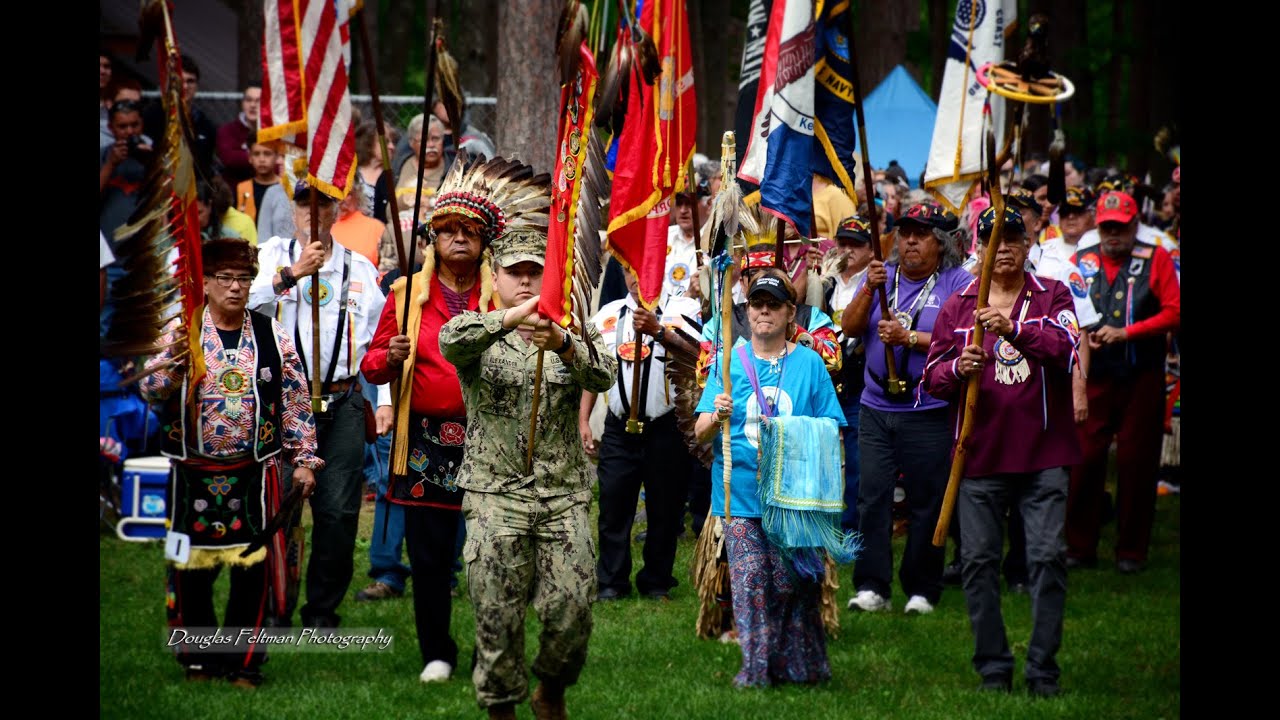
(144, 490)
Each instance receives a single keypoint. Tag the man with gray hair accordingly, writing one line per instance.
(407, 177)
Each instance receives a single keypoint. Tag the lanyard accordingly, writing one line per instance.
(924, 293)
(767, 407)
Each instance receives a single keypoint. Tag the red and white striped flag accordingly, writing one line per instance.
(305, 46)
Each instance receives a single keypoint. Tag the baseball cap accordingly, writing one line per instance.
(770, 285)
(1022, 198)
(854, 228)
(1116, 207)
(1012, 222)
(927, 214)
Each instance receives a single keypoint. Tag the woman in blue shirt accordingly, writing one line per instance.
(776, 611)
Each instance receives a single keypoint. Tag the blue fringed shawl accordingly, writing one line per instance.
(802, 491)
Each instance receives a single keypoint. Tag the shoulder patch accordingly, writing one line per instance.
(1143, 251)
(1078, 286)
(1067, 319)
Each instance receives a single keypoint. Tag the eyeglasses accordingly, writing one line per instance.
(226, 280)
(771, 303)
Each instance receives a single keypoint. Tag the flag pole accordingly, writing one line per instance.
(895, 385)
(315, 305)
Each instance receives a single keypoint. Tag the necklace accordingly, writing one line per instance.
(778, 364)
(907, 318)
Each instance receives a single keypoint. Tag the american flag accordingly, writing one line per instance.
(305, 56)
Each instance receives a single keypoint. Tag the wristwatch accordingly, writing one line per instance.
(662, 332)
(912, 339)
(564, 346)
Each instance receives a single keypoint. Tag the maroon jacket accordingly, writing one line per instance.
(1023, 427)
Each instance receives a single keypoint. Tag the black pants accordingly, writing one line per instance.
(699, 494)
(1015, 560)
(916, 444)
(658, 460)
(430, 536)
(335, 511)
(1042, 498)
(192, 594)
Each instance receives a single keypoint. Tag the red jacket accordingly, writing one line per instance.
(436, 390)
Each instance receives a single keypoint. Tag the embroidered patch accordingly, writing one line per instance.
(627, 351)
(452, 433)
(1067, 319)
(356, 286)
(609, 324)
(678, 272)
(1079, 287)
(1176, 255)
(326, 291)
(1142, 251)
(1089, 265)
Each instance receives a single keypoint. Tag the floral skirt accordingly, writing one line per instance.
(435, 455)
(777, 613)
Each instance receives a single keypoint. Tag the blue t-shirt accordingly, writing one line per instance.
(806, 390)
(924, 311)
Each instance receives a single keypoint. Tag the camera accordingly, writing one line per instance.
(135, 143)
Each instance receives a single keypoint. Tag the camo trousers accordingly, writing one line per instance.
(523, 548)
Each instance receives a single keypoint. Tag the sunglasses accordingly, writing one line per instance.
(771, 303)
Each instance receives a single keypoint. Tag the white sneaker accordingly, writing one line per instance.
(869, 601)
(436, 671)
(917, 604)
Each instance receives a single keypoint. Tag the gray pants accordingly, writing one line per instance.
(982, 503)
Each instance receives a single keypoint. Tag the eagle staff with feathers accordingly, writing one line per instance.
(527, 510)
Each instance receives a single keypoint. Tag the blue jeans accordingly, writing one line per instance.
(384, 556)
(849, 518)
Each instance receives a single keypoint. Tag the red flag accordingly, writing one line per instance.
(576, 102)
(304, 42)
(656, 146)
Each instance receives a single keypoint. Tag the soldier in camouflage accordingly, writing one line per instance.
(528, 533)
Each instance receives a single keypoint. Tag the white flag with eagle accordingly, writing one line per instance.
(979, 35)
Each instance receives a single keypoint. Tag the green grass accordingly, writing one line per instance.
(1120, 657)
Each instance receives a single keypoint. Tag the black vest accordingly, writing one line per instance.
(268, 395)
(1130, 293)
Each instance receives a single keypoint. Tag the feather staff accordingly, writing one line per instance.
(574, 257)
(432, 10)
(152, 295)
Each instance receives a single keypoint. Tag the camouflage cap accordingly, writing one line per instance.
(520, 246)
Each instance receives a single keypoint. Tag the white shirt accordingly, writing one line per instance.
(364, 307)
(616, 327)
(1052, 259)
(843, 295)
(682, 263)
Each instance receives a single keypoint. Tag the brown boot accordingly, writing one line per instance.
(504, 711)
(548, 702)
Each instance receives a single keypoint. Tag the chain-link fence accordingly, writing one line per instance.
(397, 110)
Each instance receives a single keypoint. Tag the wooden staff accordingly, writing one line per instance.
(422, 159)
(971, 388)
(406, 262)
(726, 339)
(895, 385)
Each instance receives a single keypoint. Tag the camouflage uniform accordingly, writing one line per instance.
(528, 535)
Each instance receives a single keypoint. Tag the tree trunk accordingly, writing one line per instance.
(1068, 53)
(403, 28)
(471, 31)
(939, 38)
(1166, 109)
(528, 91)
(1137, 147)
(249, 22)
(710, 41)
(881, 39)
(1116, 84)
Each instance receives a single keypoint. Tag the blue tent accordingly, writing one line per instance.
(900, 123)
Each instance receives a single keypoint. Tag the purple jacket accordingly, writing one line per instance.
(1022, 427)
